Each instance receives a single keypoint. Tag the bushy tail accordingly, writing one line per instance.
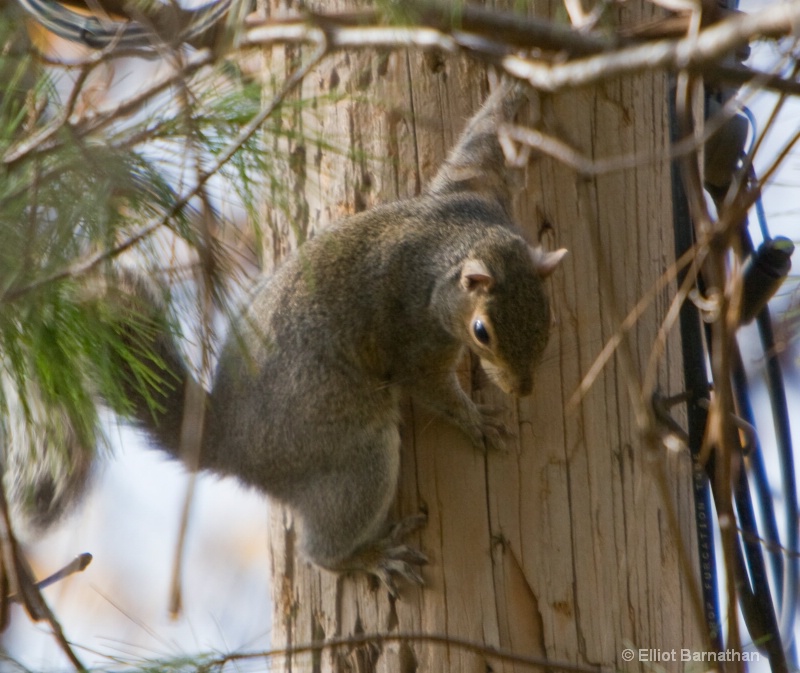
(154, 375)
(477, 162)
(46, 457)
(48, 442)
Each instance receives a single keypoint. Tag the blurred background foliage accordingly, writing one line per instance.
(86, 179)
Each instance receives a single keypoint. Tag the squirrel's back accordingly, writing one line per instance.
(359, 310)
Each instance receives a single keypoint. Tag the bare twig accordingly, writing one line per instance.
(92, 261)
(698, 254)
(518, 31)
(76, 565)
(31, 144)
(542, 142)
(626, 325)
(18, 577)
(695, 54)
(191, 433)
(349, 37)
(760, 139)
(689, 53)
(97, 122)
(589, 57)
(380, 639)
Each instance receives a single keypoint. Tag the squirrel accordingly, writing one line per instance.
(384, 302)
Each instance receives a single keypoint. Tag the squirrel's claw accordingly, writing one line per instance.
(494, 431)
(400, 562)
(397, 559)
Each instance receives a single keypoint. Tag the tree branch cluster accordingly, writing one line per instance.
(555, 56)
(549, 55)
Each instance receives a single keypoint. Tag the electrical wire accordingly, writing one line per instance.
(97, 33)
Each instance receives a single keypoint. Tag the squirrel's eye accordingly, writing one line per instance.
(480, 332)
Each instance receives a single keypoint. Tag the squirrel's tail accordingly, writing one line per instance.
(154, 376)
(46, 458)
(47, 450)
(477, 163)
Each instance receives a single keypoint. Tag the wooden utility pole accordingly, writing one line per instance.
(562, 547)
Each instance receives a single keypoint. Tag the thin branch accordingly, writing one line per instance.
(98, 122)
(31, 144)
(380, 639)
(76, 565)
(641, 407)
(698, 255)
(626, 325)
(589, 167)
(778, 160)
(748, 161)
(517, 30)
(92, 261)
(695, 54)
(739, 75)
(18, 576)
(689, 53)
(349, 37)
(598, 57)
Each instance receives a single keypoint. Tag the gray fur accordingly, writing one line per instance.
(375, 306)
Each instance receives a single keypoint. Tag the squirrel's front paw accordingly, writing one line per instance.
(487, 429)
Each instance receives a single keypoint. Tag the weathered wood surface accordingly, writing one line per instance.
(560, 547)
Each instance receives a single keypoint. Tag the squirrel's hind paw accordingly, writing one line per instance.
(403, 528)
(388, 558)
(400, 562)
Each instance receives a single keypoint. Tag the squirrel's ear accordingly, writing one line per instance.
(475, 275)
(546, 262)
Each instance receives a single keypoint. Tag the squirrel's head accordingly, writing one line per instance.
(508, 319)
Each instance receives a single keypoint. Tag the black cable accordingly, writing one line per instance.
(754, 460)
(99, 33)
(755, 595)
(763, 272)
(696, 382)
(783, 438)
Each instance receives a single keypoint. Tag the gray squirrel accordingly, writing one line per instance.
(384, 302)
